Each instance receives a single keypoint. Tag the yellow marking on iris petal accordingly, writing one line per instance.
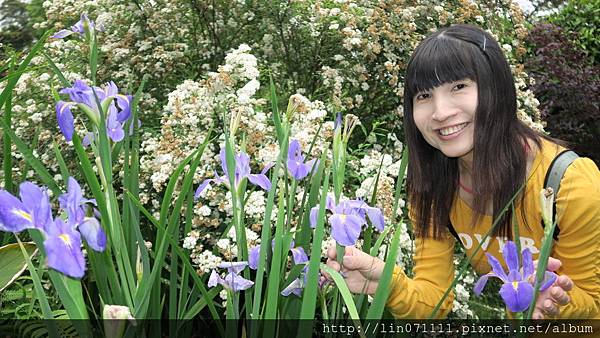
(123, 97)
(23, 214)
(343, 217)
(65, 238)
(515, 285)
(65, 106)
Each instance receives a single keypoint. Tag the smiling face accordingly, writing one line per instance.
(445, 116)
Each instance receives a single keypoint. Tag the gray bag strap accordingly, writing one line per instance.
(554, 175)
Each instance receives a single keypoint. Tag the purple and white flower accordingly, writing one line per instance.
(242, 170)
(80, 28)
(118, 109)
(62, 239)
(517, 290)
(295, 161)
(348, 218)
(232, 281)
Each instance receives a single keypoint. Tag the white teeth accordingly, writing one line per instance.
(452, 130)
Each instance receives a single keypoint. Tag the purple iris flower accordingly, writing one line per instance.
(298, 255)
(84, 96)
(77, 207)
(31, 211)
(62, 240)
(348, 218)
(242, 170)
(63, 249)
(517, 290)
(253, 257)
(338, 121)
(66, 123)
(295, 161)
(232, 281)
(78, 28)
(297, 285)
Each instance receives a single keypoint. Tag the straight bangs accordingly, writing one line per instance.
(439, 60)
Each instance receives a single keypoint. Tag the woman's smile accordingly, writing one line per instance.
(448, 133)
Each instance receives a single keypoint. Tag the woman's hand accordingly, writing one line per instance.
(549, 301)
(360, 270)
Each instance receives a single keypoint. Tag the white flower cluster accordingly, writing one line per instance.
(406, 248)
(205, 261)
(387, 166)
(462, 292)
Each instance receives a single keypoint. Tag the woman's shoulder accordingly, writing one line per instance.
(581, 168)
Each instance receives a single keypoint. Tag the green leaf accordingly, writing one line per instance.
(13, 263)
(384, 287)
(309, 300)
(346, 295)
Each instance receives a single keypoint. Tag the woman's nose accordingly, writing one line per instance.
(443, 109)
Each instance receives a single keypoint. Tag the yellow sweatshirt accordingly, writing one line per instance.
(578, 245)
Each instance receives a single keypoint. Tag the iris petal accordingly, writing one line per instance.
(92, 232)
(294, 153)
(376, 218)
(517, 296)
(214, 279)
(63, 250)
(528, 268)
(62, 34)
(234, 267)
(481, 282)
(114, 128)
(511, 256)
(314, 214)
(37, 203)
(295, 287)
(66, 123)
(13, 215)
(260, 180)
(497, 267)
(299, 255)
(253, 257)
(202, 186)
(549, 279)
(236, 282)
(345, 229)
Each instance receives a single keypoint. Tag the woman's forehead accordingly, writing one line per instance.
(439, 61)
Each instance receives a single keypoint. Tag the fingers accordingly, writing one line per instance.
(549, 302)
(537, 315)
(545, 308)
(550, 308)
(564, 282)
(559, 295)
(553, 264)
(332, 251)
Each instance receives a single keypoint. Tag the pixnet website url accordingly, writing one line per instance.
(461, 329)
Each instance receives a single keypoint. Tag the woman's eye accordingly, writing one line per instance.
(459, 86)
(422, 96)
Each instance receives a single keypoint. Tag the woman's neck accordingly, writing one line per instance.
(465, 166)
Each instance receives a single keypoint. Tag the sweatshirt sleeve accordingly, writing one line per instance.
(578, 245)
(433, 274)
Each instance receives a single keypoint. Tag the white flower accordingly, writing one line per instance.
(247, 91)
(204, 210)
(189, 242)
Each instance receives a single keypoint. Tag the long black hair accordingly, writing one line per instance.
(499, 157)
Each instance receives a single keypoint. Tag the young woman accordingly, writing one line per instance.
(469, 155)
